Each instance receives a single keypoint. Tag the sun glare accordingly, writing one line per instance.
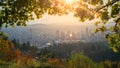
(70, 35)
(69, 1)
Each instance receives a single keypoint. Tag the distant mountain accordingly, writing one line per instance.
(42, 34)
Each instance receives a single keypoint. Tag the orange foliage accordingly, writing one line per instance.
(9, 53)
(55, 61)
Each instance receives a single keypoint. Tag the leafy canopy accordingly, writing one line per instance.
(18, 12)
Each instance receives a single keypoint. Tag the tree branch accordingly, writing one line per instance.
(108, 4)
(115, 28)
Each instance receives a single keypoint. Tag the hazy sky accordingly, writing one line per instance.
(50, 19)
(60, 20)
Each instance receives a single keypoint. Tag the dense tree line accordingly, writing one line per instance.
(97, 51)
(12, 55)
